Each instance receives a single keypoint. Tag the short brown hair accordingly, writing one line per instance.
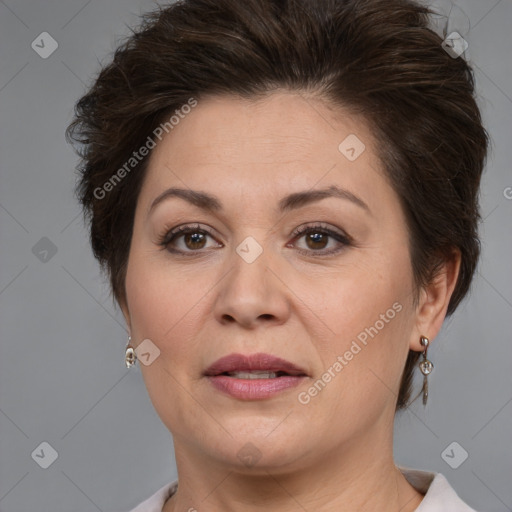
(378, 58)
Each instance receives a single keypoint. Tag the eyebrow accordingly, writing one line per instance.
(290, 202)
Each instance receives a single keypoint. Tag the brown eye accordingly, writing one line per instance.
(192, 238)
(317, 239)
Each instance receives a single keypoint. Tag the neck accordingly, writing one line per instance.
(358, 478)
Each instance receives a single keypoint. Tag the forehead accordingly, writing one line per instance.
(280, 142)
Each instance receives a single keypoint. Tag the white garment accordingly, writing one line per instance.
(439, 494)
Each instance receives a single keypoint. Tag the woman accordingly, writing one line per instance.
(284, 196)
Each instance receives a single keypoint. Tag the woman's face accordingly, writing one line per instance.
(336, 300)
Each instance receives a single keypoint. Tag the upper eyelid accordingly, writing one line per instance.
(320, 226)
(298, 232)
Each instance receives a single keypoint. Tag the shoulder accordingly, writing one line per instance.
(439, 494)
(155, 502)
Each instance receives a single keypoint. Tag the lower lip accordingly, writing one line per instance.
(253, 389)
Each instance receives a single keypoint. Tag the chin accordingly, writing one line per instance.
(260, 446)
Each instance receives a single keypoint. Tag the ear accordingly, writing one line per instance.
(434, 300)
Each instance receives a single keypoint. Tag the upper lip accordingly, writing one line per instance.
(252, 362)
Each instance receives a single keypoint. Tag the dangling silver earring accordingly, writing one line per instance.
(129, 357)
(426, 367)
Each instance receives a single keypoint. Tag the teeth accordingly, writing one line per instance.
(253, 375)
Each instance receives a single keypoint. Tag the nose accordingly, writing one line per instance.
(252, 293)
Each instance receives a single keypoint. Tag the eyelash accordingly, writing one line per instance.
(170, 236)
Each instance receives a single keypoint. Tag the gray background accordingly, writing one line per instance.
(62, 375)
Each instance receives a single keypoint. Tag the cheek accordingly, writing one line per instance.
(164, 305)
(363, 361)
(369, 316)
(358, 296)
(166, 311)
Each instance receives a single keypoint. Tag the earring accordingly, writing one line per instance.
(129, 357)
(426, 367)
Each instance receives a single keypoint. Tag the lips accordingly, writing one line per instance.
(253, 377)
(253, 363)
